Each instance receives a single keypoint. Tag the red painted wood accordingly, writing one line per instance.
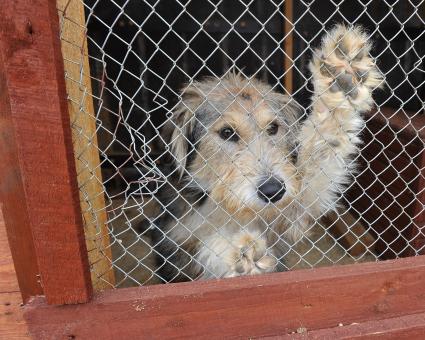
(13, 197)
(250, 306)
(407, 327)
(37, 123)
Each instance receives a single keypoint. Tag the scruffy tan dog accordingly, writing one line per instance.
(251, 177)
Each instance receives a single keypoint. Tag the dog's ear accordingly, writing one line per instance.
(183, 122)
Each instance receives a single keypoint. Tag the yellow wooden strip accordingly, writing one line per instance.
(82, 116)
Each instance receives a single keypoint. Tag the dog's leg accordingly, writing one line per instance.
(243, 253)
(344, 76)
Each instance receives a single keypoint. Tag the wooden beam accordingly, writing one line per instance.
(12, 323)
(289, 45)
(243, 307)
(402, 327)
(84, 136)
(8, 281)
(12, 196)
(38, 119)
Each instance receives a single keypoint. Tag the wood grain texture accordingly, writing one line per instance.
(8, 282)
(12, 323)
(407, 327)
(250, 306)
(39, 119)
(12, 192)
(84, 136)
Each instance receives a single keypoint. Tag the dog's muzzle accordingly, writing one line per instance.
(271, 189)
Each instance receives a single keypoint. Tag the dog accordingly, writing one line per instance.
(251, 176)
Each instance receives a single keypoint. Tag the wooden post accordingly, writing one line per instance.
(12, 198)
(37, 115)
(84, 136)
(289, 46)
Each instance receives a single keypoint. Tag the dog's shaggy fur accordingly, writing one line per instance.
(251, 177)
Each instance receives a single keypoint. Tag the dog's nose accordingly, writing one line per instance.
(271, 189)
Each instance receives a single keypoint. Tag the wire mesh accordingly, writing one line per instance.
(182, 177)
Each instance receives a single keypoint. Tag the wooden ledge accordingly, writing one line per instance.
(403, 327)
(267, 305)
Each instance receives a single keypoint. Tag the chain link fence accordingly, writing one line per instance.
(196, 123)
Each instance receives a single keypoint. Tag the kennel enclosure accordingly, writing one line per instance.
(133, 58)
(48, 235)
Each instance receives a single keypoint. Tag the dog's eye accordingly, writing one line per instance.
(228, 133)
(272, 129)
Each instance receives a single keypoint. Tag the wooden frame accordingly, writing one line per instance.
(253, 306)
(37, 139)
(41, 208)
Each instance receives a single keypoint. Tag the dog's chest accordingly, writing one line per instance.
(210, 219)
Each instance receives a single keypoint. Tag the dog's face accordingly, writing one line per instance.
(236, 139)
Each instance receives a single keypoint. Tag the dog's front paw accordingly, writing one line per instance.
(344, 74)
(249, 256)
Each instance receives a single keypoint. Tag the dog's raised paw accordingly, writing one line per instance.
(343, 69)
(250, 256)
